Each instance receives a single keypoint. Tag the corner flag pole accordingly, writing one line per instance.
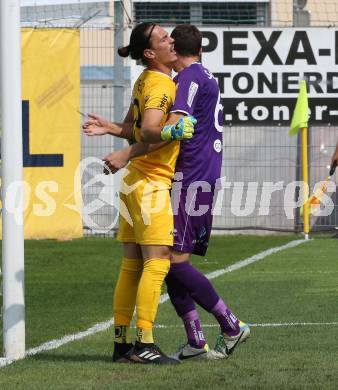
(305, 170)
(12, 184)
(300, 121)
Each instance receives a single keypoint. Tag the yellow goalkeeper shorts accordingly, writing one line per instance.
(146, 216)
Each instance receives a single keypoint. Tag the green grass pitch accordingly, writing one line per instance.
(69, 286)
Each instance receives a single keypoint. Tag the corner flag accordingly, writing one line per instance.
(300, 114)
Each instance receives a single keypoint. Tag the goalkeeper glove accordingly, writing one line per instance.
(183, 129)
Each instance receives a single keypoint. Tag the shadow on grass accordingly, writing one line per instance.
(72, 358)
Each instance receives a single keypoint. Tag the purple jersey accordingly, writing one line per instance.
(198, 94)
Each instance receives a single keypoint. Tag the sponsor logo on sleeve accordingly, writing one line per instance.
(192, 93)
(163, 101)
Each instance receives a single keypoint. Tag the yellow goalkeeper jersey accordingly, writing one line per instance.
(154, 90)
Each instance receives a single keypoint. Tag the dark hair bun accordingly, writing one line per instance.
(139, 41)
(124, 51)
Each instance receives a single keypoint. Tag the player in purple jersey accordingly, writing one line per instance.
(197, 170)
(198, 167)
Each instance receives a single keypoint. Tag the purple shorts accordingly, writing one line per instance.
(192, 221)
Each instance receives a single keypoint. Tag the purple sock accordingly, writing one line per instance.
(193, 329)
(228, 322)
(186, 309)
(179, 296)
(195, 283)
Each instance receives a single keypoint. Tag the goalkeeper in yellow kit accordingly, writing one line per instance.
(148, 234)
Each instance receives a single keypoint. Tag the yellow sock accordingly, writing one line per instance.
(125, 296)
(148, 295)
(144, 336)
(122, 334)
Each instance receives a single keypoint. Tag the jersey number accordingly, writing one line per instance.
(218, 109)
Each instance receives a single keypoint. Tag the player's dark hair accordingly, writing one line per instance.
(188, 40)
(139, 41)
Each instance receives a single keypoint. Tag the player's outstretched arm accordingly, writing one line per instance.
(177, 127)
(97, 125)
(119, 159)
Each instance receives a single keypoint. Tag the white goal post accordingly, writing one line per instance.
(12, 181)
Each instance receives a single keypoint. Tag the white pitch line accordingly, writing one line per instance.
(245, 262)
(53, 344)
(266, 325)
(282, 324)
